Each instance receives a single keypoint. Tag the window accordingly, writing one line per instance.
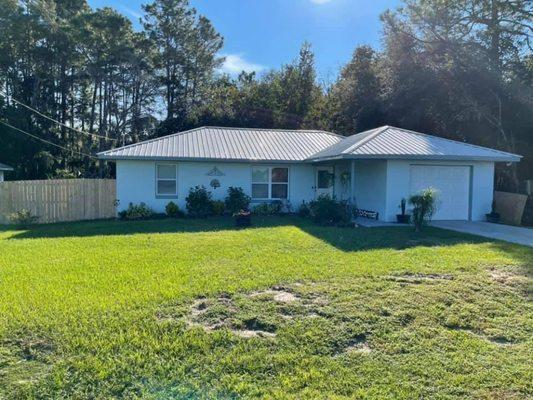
(324, 179)
(166, 180)
(270, 182)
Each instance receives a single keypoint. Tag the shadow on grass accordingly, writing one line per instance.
(345, 239)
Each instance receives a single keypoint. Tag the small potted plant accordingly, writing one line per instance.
(243, 218)
(493, 216)
(403, 218)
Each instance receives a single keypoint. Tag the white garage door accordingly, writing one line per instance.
(452, 184)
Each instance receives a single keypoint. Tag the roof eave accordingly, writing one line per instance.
(197, 159)
(421, 157)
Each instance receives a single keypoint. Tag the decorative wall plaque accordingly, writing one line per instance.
(215, 172)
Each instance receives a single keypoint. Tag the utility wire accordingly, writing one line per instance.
(46, 141)
(53, 120)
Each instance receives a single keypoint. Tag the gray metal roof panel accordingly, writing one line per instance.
(4, 167)
(391, 142)
(249, 144)
(230, 144)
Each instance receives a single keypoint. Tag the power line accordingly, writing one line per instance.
(46, 141)
(53, 120)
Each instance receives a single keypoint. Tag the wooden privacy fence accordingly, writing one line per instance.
(59, 199)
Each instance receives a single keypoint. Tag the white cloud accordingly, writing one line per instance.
(131, 12)
(320, 1)
(235, 64)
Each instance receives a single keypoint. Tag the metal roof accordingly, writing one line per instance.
(237, 144)
(277, 145)
(4, 167)
(390, 142)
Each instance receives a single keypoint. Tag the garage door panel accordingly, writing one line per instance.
(453, 188)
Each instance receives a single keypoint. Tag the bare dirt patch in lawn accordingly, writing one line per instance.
(510, 277)
(23, 361)
(358, 345)
(256, 314)
(31, 349)
(415, 278)
(280, 294)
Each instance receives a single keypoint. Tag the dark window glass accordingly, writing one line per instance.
(166, 187)
(279, 191)
(260, 191)
(280, 175)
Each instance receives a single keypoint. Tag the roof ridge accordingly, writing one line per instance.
(456, 141)
(271, 129)
(358, 144)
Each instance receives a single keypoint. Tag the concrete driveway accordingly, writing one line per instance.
(513, 234)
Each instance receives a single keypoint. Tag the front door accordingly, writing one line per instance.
(324, 181)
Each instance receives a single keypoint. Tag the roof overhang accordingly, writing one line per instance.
(197, 159)
(6, 168)
(418, 157)
(510, 158)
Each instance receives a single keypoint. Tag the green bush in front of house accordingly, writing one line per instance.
(136, 211)
(173, 211)
(273, 208)
(199, 203)
(217, 207)
(304, 211)
(325, 210)
(236, 200)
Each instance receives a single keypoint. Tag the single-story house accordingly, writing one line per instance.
(3, 169)
(374, 169)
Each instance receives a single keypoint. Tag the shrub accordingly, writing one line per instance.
(286, 206)
(261, 209)
(217, 207)
(199, 202)
(273, 208)
(424, 206)
(23, 218)
(136, 211)
(237, 200)
(303, 210)
(173, 211)
(326, 211)
(345, 214)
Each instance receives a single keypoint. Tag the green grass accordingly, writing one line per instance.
(103, 310)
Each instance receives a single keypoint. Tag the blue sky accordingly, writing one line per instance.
(264, 34)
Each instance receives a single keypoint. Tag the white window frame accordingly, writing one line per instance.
(157, 179)
(270, 183)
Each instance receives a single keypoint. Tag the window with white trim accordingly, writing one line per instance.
(270, 183)
(166, 180)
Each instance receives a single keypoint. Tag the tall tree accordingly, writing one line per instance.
(469, 49)
(187, 56)
(356, 95)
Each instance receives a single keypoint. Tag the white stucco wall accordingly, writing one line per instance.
(136, 182)
(482, 185)
(379, 184)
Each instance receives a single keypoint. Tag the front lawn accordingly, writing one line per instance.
(197, 309)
